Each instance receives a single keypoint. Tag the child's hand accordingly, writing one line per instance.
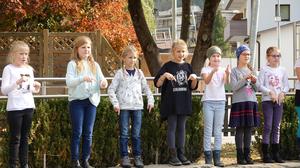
(20, 81)
(253, 79)
(88, 79)
(117, 110)
(228, 70)
(149, 107)
(192, 77)
(281, 97)
(169, 76)
(273, 97)
(103, 84)
(37, 86)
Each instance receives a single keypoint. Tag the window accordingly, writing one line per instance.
(284, 12)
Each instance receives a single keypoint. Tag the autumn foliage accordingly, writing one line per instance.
(111, 17)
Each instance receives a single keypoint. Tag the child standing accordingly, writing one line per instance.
(297, 102)
(18, 84)
(84, 79)
(125, 93)
(176, 80)
(213, 100)
(244, 110)
(273, 80)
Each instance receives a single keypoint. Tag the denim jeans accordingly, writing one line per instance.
(214, 112)
(136, 120)
(83, 115)
(19, 123)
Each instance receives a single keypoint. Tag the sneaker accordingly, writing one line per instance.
(125, 163)
(138, 162)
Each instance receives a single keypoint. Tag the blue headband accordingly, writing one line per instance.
(241, 49)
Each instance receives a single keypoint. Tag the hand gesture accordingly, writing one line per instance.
(149, 107)
(37, 86)
(192, 77)
(228, 70)
(169, 76)
(103, 84)
(88, 79)
(117, 109)
(273, 97)
(281, 97)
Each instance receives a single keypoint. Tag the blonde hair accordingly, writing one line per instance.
(177, 43)
(17, 46)
(79, 41)
(130, 49)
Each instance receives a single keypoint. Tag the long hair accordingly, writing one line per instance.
(79, 41)
(17, 46)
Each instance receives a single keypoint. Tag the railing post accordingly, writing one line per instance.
(45, 161)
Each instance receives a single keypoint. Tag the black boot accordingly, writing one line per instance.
(240, 157)
(181, 157)
(76, 164)
(208, 157)
(298, 147)
(85, 164)
(275, 153)
(266, 155)
(174, 161)
(247, 155)
(217, 158)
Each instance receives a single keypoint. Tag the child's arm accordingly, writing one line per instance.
(208, 76)
(147, 91)
(227, 74)
(237, 83)
(193, 78)
(71, 79)
(6, 86)
(111, 91)
(102, 80)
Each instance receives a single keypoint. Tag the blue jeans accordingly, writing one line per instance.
(136, 119)
(213, 122)
(83, 115)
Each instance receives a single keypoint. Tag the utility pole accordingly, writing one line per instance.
(253, 30)
(174, 22)
(278, 19)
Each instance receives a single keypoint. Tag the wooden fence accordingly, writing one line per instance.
(50, 51)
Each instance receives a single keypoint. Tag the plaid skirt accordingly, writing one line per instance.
(244, 114)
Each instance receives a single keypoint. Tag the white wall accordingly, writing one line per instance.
(267, 13)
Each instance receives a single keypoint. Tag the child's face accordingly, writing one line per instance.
(274, 58)
(215, 60)
(244, 57)
(84, 51)
(130, 60)
(179, 53)
(21, 57)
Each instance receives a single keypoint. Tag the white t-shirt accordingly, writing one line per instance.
(297, 65)
(19, 96)
(215, 90)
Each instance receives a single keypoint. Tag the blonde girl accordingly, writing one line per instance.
(273, 80)
(213, 100)
(176, 80)
(84, 79)
(18, 84)
(125, 93)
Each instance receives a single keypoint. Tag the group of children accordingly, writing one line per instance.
(176, 81)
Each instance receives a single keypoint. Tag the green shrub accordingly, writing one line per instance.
(51, 133)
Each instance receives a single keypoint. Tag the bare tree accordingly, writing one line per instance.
(149, 47)
(204, 38)
(186, 10)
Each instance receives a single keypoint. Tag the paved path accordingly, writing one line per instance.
(288, 164)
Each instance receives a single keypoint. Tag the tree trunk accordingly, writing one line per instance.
(186, 10)
(204, 38)
(149, 47)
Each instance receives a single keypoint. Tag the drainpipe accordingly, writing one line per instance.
(174, 22)
(253, 30)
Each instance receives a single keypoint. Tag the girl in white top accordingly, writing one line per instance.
(213, 100)
(273, 83)
(18, 84)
